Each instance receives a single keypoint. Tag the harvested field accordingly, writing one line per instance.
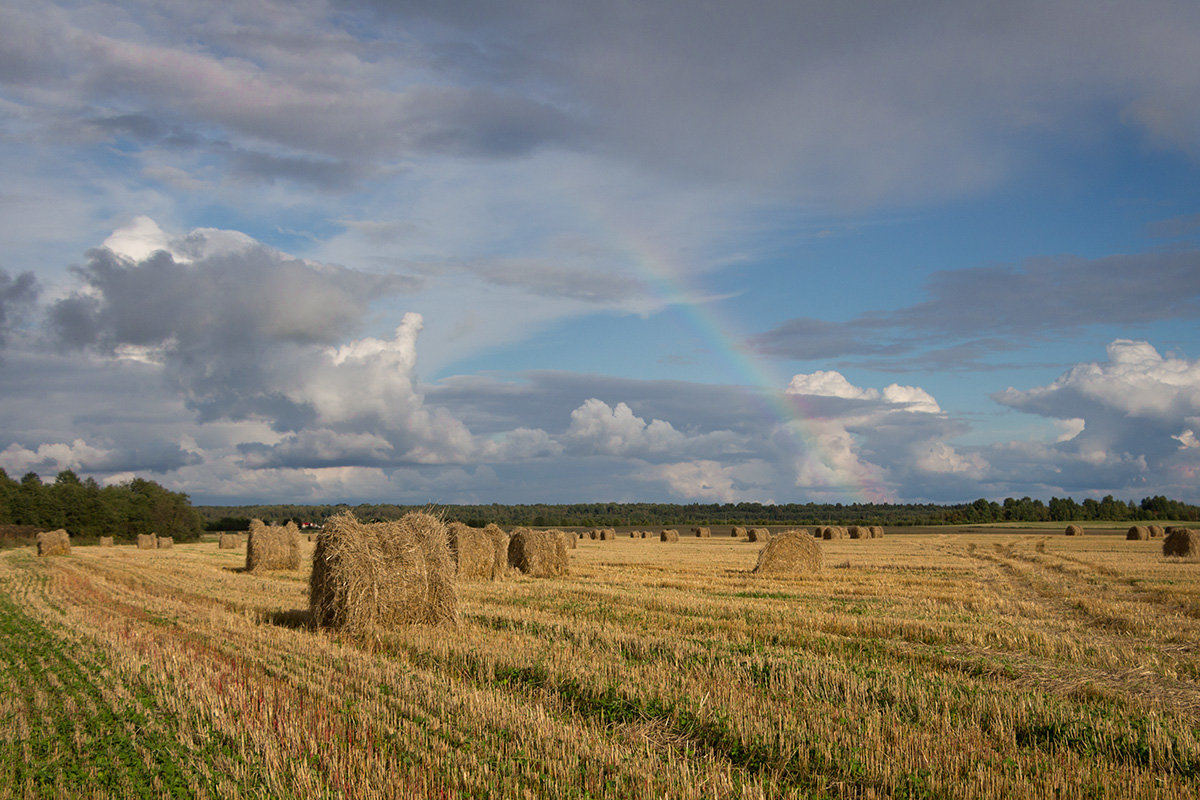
(955, 665)
(229, 541)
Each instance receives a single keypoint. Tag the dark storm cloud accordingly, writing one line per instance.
(17, 295)
(974, 313)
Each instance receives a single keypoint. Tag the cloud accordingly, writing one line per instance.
(986, 310)
(17, 295)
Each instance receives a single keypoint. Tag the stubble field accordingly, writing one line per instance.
(1004, 664)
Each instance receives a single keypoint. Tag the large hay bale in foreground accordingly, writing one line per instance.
(702, 533)
(499, 549)
(54, 543)
(790, 553)
(1156, 531)
(1182, 543)
(229, 541)
(758, 535)
(147, 541)
(165, 542)
(541, 554)
(106, 541)
(382, 574)
(1073, 530)
(668, 535)
(474, 556)
(1137, 532)
(272, 546)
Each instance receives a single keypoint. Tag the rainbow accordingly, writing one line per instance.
(789, 413)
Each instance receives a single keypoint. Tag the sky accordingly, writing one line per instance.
(325, 251)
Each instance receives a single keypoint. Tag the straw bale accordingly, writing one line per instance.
(106, 541)
(54, 543)
(738, 532)
(1155, 531)
(1182, 542)
(758, 535)
(540, 554)
(645, 534)
(1074, 530)
(382, 574)
(876, 531)
(1137, 532)
(859, 532)
(788, 553)
(147, 541)
(165, 542)
(593, 534)
(499, 549)
(229, 541)
(272, 546)
(702, 533)
(668, 535)
(473, 554)
(607, 534)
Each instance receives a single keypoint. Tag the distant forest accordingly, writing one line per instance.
(86, 509)
(660, 514)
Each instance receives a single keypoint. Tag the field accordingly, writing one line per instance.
(1002, 664)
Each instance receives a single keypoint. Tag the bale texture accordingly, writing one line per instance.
(229, 541)
(54, 543)
(607, 534)
(759, 535)
(876, 531)
(1182, 543)
(645, 534)
(474, 555)
(1074, 530)
(540, 554)
(382, 574)
(1155, 531)
(1137, 532)
(738, 532)
(499, 549)
(859, 532)
(668, 535)
(702, 533)
(272, 547)
(790, 553)
(106, 541)
(593, 534)
(166, 542)
(147, 541)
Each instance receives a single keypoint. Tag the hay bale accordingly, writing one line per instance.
(229, 541)
(499, 541)
(473, 553)
(165, 542)
(382, 574)
(668, 535)
(758, 535)
(147, 541)
(645, 534)
(607, 534)
(1156, 531)
(541, 554)
(1137, 532)
(53, 543)
(1182, 543)
(876, 531)
(594, 534)
(106, 541)
(272, 547)
(790, 553)
(736, 532)
(1074, 530)
(859, 532)
(702, 533)
(572, 540)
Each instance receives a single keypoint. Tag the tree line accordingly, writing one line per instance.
(86, 509)
(1024, 509)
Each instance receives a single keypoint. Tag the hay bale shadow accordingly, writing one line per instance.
(296, 619)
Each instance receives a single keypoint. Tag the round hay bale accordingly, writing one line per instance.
(607, 534)
(499, 549)
(593, 534)
(229, 541)
(1182, 543)
(859, 532)
(166, 542)
(702, 533)
(1156, 531)
(382, 574)
(147, 541)
(645, 534)
(540, 554)
(876, 531)
(737, 533)
(106, 541)
(572, 541)
(53, 543)
(790, 553)
(474, 556)
(758, 535)
(1137, 532)
(668, 535)
(1074, 530)
(272, 547)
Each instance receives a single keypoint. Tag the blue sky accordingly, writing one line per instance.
(553, 252)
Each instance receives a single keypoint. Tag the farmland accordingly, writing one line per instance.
(1009, 663)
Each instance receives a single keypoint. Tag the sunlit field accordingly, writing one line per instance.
(1009, 664)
